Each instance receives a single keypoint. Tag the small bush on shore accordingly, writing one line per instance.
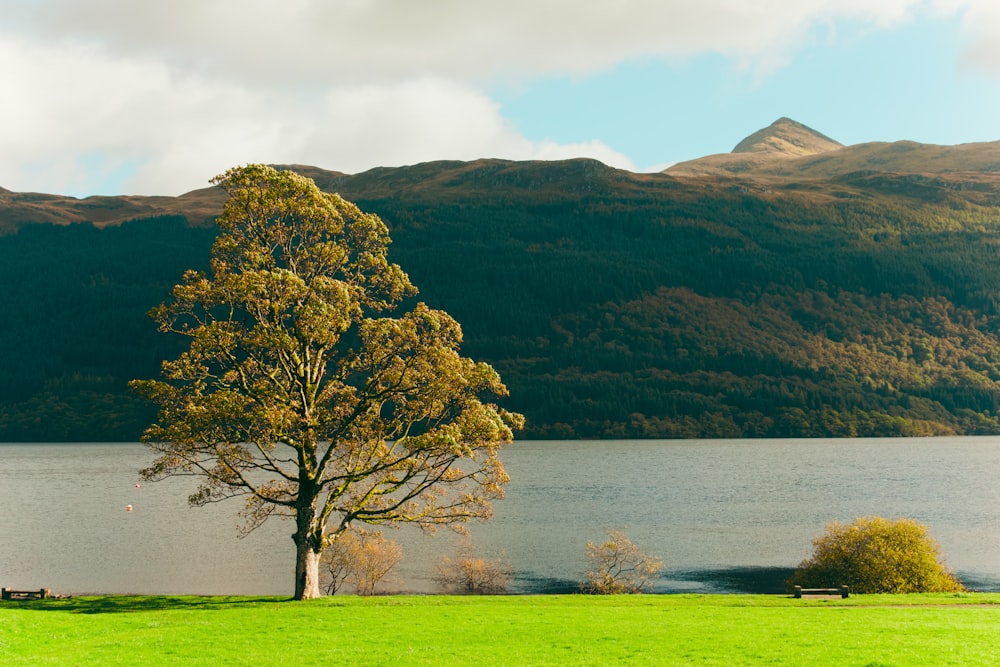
(617, 565)
(468, 573)
(360, 557)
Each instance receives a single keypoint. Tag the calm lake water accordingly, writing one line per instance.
(724, 515)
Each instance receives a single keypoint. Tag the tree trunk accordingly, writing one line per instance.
(306, 570)
(308, 544)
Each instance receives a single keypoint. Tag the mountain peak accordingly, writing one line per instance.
(787, 137)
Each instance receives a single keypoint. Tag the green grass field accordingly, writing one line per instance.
(962, 629)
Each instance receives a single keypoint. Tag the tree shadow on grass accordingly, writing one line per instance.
(120, 604)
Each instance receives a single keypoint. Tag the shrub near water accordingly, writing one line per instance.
(361, 557)
(469, 573)
(877, 555)
(617, 566)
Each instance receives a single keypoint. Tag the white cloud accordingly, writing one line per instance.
(317, 42)
(981, 25)
(351, 129)
(82, 116)
(401, 122)
(158, 96)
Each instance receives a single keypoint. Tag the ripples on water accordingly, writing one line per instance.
(724, 515)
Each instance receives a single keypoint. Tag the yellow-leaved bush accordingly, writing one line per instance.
(877, 555)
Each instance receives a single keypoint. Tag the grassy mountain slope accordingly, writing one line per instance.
(787, 150)
(788, 137)
(786, 299)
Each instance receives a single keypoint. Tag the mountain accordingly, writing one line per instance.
(784, 139)
(789, 138)
(790, 150)
(795, 287)
(22, 208)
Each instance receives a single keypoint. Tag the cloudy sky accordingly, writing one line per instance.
(156, 97)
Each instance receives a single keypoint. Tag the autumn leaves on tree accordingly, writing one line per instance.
(302, 396)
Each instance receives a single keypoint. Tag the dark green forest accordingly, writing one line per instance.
(612, 304)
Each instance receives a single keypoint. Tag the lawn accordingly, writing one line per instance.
(961, 629)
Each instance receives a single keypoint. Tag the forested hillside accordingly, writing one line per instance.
(702, 302)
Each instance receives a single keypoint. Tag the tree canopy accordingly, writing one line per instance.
(301, 395)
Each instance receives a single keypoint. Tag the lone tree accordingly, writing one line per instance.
(298, 392)
(877, 555)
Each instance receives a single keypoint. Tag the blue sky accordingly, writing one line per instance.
(902, 82)
(116, 97)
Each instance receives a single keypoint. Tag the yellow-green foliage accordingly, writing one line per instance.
(877, 555)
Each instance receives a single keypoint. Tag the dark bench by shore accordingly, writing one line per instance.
(40, 594)
(842, 591)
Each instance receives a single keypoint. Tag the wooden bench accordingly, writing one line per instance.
(40, 594)
(843, 591)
